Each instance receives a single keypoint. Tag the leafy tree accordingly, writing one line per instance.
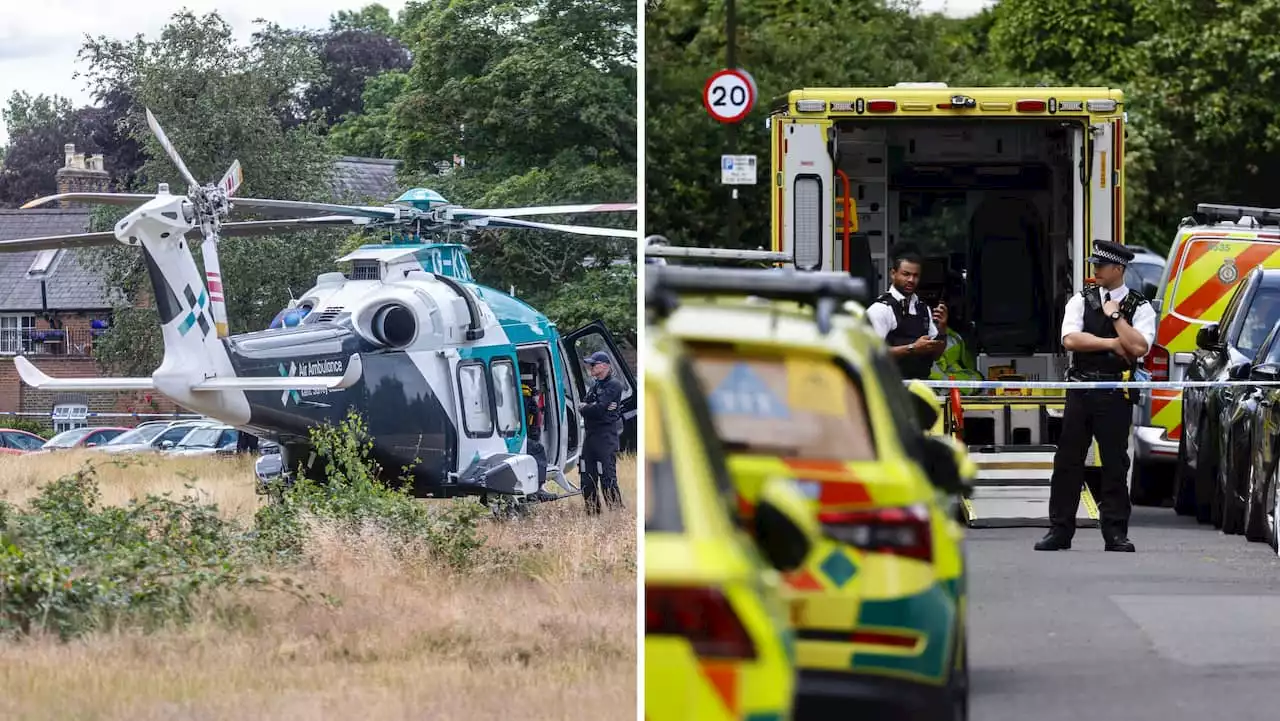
(539, 98)
(40, 126)
(369, 133)
(861, 42)
(217, 101)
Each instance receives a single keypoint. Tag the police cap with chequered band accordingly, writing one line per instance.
(1104, 251)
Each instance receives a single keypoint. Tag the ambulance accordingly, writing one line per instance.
(1001, 191)
(1213, 250)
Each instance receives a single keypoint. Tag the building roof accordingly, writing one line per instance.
(69, 283)
(364, 180)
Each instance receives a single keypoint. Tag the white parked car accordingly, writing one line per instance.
(155, 437)
(206, 441)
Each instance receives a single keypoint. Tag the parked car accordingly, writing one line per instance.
(14, 442)
(1256, 416)
(153, 438)
(206, 441)
(1213, 453)
(86, 437)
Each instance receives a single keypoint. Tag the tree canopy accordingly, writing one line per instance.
(1199, 79)
(536, 97)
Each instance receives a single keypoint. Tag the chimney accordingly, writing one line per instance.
(81, 174)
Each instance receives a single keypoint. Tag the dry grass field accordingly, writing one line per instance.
(543, 627)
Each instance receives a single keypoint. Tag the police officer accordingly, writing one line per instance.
(1106, 328)
(602, 419)
(906, 323)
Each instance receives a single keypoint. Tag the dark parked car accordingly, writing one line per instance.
(1214, 453)
(1261, 514)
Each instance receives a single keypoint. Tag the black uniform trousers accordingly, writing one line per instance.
(598, 469)
(1107, 416)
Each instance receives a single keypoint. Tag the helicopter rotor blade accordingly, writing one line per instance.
(251, 228)
(172, 151)
(298, 207)
(53, 242)
(576, 229)
(459, 213)
(232, 179)
(97, 198)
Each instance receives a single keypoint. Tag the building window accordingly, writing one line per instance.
(15, 332)
(477, 401)
(507, 395)
(67, 416)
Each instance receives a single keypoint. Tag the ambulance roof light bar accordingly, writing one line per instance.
(825, 290)
(1211, 213)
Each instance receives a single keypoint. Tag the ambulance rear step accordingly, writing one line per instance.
(1012, 488)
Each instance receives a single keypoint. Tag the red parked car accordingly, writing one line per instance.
(15, 442)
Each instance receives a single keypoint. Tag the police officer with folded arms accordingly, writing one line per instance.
(906, 323)
(1106, 329)
(602, 419)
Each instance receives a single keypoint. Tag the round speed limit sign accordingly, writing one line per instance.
(729, 95)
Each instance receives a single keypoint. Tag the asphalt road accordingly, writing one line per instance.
(1186, 628)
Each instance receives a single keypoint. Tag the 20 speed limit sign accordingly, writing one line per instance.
(729, 95)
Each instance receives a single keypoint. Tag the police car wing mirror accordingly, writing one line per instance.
(1149, 291)
(1239, 371)
(1265, 373)
(926, 412)
(784, 526)
(1207, 337)
(942, 466)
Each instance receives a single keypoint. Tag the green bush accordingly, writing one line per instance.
(40, 428)
(351, 498)
(69, 565)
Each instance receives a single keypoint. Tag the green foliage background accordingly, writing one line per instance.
(1200, 81)
(537, 96)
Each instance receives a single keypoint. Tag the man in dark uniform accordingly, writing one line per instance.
(1106, 328)
(909, 327)
(603, 424)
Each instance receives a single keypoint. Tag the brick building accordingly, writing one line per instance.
(53, 304)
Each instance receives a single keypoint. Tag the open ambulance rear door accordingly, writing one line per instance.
(803, 192)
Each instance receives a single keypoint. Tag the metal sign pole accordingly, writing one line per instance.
(731, 61)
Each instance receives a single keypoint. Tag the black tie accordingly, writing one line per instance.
(1106, 298)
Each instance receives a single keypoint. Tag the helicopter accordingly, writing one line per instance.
(438, 366)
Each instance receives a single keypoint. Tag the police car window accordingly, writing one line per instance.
(661, 494)
(1258, 320)
(899, 401)
(506, 396)
(1273, 353)
(705, 426)
(477, 420)
(799, 405)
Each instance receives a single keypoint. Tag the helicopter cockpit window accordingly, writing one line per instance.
(477, 417)
(507, 396)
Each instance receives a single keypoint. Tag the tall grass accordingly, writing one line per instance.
(381, 611)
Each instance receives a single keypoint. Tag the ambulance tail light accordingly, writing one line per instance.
(1157, 363)
(1101, 106)
(1031, 106)
(901, 531)
(881, 106)
(700, 614)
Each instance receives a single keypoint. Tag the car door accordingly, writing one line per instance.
(1207, 364)
(589, 339)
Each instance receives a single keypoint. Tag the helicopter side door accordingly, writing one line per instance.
(596, 337)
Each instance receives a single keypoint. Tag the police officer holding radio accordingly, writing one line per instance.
(1106, 328)
(906, 323)
(602, 419)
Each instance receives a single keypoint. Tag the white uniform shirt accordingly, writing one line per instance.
(883, 319)
(1144, 318)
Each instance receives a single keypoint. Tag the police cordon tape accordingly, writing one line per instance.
(1086, 385)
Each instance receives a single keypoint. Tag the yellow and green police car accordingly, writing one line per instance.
(718, 641)
(812, 395)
